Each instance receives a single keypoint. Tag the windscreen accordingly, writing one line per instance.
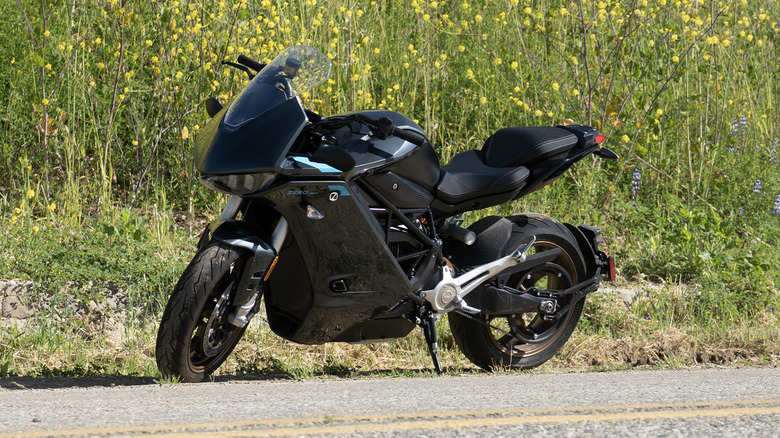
(295, 71)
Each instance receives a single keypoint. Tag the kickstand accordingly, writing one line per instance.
(427, 323)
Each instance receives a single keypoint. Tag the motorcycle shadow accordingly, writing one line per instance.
(348, 374)
(60, 382)
(108, 381)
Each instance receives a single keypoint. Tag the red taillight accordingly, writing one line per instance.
(600, 138)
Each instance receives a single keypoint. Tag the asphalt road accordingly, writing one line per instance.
(702, 402)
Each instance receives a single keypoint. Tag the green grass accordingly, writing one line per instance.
(100, 102)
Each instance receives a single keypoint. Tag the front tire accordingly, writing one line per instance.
(195, 336)
(526, 340)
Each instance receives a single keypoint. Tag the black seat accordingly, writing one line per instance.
(525, 145)
(467, 177)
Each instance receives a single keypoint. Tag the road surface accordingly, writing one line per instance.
(701, 402)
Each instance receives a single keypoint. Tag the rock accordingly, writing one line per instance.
(11, 307)
(13, 312)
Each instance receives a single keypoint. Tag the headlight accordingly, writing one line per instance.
(237, 184)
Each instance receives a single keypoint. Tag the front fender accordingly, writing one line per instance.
(260, 252)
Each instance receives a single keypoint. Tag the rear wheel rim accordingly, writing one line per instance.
(525, 335)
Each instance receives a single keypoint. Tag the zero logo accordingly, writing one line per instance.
(334, 196)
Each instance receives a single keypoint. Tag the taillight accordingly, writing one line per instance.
(600, 138)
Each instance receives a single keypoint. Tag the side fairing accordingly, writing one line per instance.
(336, 271)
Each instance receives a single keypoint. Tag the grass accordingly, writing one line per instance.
(100, 103)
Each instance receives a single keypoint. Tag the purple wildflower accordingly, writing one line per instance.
(776, 210)
(757, 186)
(635, 182)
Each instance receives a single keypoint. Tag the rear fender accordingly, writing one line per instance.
(588, 240)
(261, 254)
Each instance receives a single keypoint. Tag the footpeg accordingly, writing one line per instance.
(460, 304)
(521, 252)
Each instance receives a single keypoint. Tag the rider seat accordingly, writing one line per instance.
(499, 171)
(467, 176)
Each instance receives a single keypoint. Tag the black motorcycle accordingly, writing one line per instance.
(350, 231)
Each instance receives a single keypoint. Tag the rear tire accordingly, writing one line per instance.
(526, 340)
(195, 336)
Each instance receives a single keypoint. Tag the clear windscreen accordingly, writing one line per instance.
(295, 71)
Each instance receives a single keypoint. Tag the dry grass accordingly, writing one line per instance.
(612, 335)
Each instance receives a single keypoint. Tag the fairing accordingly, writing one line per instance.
(254, 133)
(337, 271)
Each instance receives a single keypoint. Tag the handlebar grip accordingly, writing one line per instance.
(249, 62)
(410, 136)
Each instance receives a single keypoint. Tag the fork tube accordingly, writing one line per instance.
(231, 210)
(280, 233)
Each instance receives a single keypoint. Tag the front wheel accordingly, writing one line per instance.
(195, 336)
(526, 340)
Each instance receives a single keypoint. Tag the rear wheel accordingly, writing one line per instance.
(195, 336)
(526, 340)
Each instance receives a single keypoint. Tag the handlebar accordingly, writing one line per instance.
(384, 127)
(249, 62)
(410, 136)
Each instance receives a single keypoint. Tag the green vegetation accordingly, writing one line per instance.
(100, 102)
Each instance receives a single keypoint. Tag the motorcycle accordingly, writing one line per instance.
(349, 230)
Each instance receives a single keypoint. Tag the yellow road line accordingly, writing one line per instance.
(431, 420)
(479, 422)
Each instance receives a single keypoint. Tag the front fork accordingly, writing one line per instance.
(262, 259)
